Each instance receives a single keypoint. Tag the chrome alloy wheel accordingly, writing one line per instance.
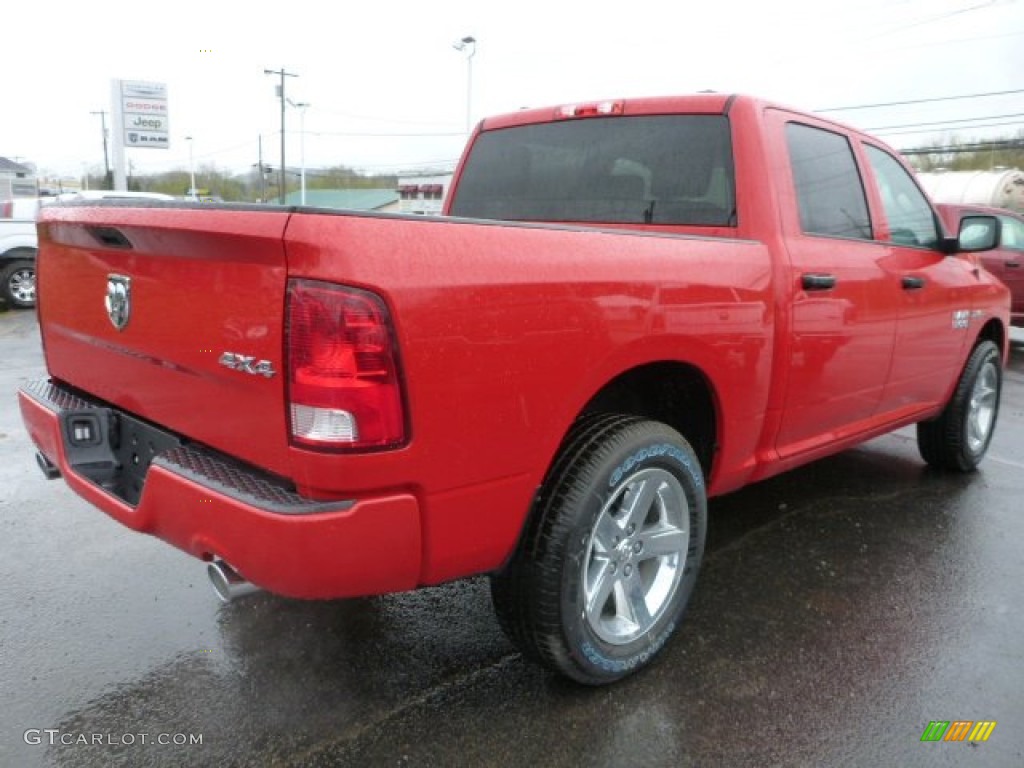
(635, 556)
(981, 408)
(22, 285)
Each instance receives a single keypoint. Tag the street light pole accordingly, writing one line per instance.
(283, 75)
(302, 106)
(191, 169)
(468, 42)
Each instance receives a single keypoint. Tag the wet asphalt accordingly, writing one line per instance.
(841, 608)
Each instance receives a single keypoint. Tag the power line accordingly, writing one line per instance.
(386, 135)
(953, 41)
(248, 145)
(956, 149)
(395, 120)
(877, 30)
(1010, 123)
(920, 101)
(450, 162)
(946, 122)
(931, 19)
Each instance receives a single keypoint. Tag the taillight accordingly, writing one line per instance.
(6, 209)
(344, 389)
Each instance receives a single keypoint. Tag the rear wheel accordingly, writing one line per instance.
(959, 437)
(18, 283)
(610, 556)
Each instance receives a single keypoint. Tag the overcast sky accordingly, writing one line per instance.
(382, 76)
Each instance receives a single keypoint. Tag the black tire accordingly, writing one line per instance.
(18, 283)
(637, 566)
(959, 437)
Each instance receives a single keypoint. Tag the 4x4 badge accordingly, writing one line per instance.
(247, 364)
(119, 300)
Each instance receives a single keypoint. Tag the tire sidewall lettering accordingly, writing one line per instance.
(660, 450)
(629, 663)
(592, 652)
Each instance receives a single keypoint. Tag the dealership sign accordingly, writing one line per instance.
(143, 114)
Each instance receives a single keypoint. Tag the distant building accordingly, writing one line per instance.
(17, 180)
(423, 195)
(348, 199)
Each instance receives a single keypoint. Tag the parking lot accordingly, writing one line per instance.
(841, 608)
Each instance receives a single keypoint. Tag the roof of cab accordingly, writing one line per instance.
(698, 103)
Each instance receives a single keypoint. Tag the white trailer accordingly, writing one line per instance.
(1000, 188)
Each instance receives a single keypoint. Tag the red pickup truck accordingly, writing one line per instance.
(630, 306)
(1006, 260)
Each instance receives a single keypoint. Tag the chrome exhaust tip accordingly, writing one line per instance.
(228, 584)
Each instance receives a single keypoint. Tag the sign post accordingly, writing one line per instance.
(140, 121)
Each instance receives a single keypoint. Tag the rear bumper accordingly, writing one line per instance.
(212, 507)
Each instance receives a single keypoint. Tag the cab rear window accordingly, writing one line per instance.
(656, 169)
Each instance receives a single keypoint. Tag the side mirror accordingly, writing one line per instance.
(978, 233)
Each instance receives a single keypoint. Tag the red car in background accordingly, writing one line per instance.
(1007, 260)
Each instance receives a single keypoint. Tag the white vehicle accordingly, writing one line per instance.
(18, 262)
(18, 251)
(19, 241)
(109, 194)
(24, 208)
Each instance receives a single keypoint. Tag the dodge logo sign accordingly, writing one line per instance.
(119, 300)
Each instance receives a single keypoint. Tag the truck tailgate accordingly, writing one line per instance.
(173, 314)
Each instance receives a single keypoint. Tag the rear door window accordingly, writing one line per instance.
(829, 189)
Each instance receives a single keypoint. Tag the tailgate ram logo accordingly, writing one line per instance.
(119, 300)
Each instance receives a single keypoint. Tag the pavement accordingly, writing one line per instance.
(841, 609)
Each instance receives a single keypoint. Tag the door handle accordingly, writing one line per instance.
(911, 283)
(1013, 264)
(817, 282)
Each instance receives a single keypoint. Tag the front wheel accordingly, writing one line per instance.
(959, 437)
(18, 283)
(610, 555)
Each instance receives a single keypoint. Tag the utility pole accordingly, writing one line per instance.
(263, 175)
(280, 93)
(106, 157)
(191, 170)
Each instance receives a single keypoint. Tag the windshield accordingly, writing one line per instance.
(656, 169)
